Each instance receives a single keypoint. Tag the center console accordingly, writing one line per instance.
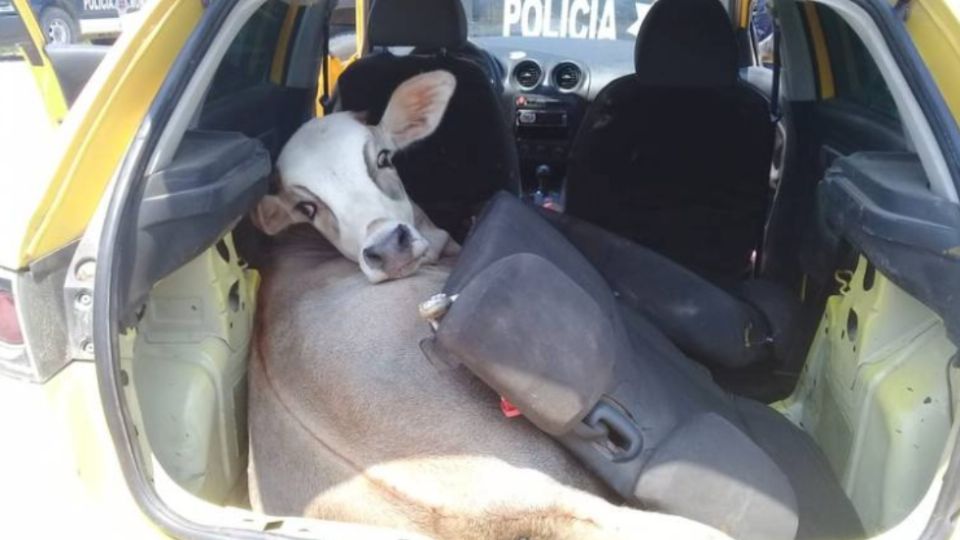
(544, 127)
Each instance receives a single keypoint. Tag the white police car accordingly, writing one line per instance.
(71, 21)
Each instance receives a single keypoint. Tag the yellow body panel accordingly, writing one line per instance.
(360, 13)
(874, 395)
(934, 26)
(743, 13)
(283, 42)
(43, 73)
(335, 66)
(63, 463)
(822, 55)
(101, 126)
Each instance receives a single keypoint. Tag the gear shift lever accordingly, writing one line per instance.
(541, 196)
(543, 174)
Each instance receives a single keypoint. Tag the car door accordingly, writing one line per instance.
(52, 415)
(106, 117)
(25, 34)
(82, 155)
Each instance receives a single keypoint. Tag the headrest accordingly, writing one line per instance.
(433, 24)
(686, 43)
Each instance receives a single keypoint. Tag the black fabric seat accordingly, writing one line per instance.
(471, 155)
(753, 323)
(535, 320)
(677, 156)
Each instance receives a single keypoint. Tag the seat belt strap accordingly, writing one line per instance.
(325, 62)
(775, 112)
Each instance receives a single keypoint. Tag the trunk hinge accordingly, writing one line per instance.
(78, 285)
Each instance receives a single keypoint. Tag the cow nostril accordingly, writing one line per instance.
(373, 258)
(403, 236)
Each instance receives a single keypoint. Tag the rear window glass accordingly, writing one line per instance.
(560, 19)
(857, 78)
(248, 60)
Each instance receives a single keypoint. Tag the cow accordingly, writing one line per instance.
(336, 173)
(348, 419)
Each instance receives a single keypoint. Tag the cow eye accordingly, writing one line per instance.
(308, 209)
(383, 159)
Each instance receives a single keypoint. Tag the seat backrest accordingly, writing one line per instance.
(676, 156)
(471, 154)
(532, 318)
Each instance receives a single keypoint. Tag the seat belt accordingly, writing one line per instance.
(325, 55)
(776, 114)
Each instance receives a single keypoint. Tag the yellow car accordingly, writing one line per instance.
(805, 147)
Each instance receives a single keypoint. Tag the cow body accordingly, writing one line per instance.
(350, 421)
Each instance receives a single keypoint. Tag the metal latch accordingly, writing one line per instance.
(434, 308)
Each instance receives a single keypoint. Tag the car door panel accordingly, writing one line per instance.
(31, 45)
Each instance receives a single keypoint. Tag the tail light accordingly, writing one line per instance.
(14, 360)
(33, 335)
(10, 332)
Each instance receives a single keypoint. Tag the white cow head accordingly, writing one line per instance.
(336, 173)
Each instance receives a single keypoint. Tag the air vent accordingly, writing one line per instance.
(567, 76)
(527, 74)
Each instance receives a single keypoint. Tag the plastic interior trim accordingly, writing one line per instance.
(915, 123)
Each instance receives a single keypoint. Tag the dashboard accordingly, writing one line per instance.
(547, 85)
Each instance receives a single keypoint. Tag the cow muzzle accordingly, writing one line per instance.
(392, 253)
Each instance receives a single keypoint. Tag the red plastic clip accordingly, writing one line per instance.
(508, 409)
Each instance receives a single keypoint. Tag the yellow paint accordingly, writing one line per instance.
(934, 26)
(824, 71)
(335, 67)
(66, 481)
(360, 16)
(99, 130)
(875, 396)
(744, 14)
(283, 42)
(41, 68)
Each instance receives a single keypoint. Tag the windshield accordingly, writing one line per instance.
(560, 19)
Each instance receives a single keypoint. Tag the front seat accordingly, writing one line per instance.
(677, 155)
(471, 155)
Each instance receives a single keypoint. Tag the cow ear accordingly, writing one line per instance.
(273, 215)
(417, 106)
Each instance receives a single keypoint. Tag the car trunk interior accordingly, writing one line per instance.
(871, 376)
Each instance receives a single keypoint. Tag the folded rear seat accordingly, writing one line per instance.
(754, 323)
(533, 318)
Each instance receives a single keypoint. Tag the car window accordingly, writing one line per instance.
(247, 62)
(343, 29)
(857, 78)
(559, 19)
(761, 32)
